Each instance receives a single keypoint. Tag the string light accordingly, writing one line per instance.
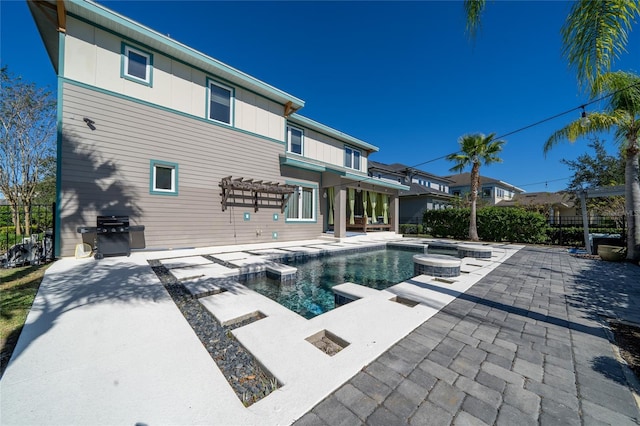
(584, 119)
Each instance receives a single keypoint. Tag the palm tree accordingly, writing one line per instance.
(594, 34)
(475, 149)
(622, 114)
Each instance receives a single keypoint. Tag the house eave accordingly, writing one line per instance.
(336, 134)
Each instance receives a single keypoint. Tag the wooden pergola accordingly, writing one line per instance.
(603, 191)
(249, 193)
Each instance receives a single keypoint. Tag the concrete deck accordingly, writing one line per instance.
(517, 339)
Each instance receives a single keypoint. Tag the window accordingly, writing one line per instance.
(302, 205)
(295, 140)
(486, 192)
(164, 178)
(136, 65)
(220, 103)
(499, 192)
(351, 158)
(456, 193)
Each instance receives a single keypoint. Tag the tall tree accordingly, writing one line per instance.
(27, 129)
(592, 171)
(475, 150)
(597, 170)
(621, 90)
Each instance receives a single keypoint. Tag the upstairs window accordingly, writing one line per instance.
(295, 137)
(220, 103)
(352, 158)
(486, 192)
(136, 65)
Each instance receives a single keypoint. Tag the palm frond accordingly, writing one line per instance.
(473, 10)
(598, 122)
(595, 34)
(476, 148)
(623, 89)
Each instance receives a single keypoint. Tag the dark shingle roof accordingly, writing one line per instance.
(564, 199)
(464, 179)
(416, 189)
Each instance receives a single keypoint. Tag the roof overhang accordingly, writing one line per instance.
(336, 134)
(46, 14)
(376, 182)
(605, 191)
(299, 162)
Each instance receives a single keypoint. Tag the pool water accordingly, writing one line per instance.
(310, 295)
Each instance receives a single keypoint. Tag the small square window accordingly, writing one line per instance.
(164, 178)
(137, 65)
(220, 103)
(295, 137)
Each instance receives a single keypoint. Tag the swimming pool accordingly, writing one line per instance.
(310, 294)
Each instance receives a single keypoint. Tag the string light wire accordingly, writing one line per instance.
(521, 129)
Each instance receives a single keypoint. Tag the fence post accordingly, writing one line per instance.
(54, 225)
(560, 238)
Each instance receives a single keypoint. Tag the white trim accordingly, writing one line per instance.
(352, 157)
(289, 129)
(172, 190)
(231, 101)
(314, 207)
(147, 56)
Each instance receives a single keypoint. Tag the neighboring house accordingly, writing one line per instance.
(559, 206)
(491, 191)
(426, 191)
(194, 150)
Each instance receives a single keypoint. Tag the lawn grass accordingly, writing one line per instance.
(18, 288)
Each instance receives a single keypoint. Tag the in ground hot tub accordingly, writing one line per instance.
(437, 265)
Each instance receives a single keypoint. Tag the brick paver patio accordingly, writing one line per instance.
(526, 345)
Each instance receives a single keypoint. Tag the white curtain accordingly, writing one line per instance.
(352, 204)
(293, 204)
(364, 202)
(385, 209)
(330, 195)
(307, 203)
(374, 199)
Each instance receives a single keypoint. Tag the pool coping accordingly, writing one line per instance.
(306, 375)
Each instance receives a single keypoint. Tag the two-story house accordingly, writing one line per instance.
(426, 191)
(194, 150)
(491, 191)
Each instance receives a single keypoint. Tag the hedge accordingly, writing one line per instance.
(494, 224)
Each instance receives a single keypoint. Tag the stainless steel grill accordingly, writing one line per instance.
(112, 234)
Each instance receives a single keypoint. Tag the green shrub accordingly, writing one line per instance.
(511, 224)
(494, 224)
(448, 223)
(574, 235)
(411, 228)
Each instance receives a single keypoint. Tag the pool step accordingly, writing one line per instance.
(349, 292)
(281, 271)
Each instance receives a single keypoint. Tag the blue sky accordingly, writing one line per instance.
(400, 75)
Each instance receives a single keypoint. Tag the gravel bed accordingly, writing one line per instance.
(248, 379)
